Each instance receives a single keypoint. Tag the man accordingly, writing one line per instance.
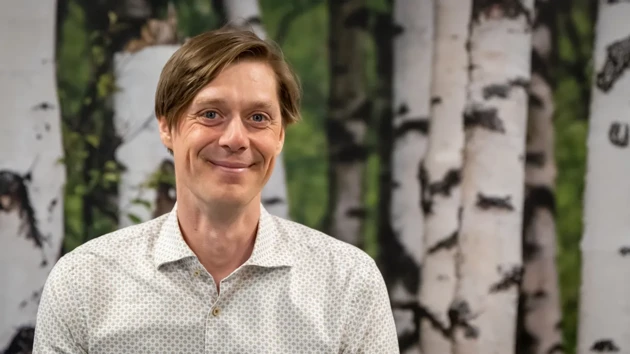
(218, 274)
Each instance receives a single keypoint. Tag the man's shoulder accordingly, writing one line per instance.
(124, 243)
(319, 249)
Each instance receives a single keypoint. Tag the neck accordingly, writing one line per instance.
(221, 236)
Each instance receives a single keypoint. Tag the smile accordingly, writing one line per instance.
(228, 166)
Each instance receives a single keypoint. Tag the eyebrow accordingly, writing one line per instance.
(221, 102)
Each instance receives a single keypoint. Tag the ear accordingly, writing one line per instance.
(280, 142)
(165, 133)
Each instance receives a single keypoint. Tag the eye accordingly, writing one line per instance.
(209, 114)
(258, 118)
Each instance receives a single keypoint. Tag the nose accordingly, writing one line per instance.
(234, 137)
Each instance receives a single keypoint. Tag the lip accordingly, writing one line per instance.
(230, 166)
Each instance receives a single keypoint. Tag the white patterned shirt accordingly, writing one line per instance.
(141, 289)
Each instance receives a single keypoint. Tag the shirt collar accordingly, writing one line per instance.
(271, 248)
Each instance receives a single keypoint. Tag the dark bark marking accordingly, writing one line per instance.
(459, 314)
(340, 69)
(363, 112)
(557, 348)
(526, 342)
(604, 345)
(617, 61)
(536, 159)
(445, 330)
(408, 339)
(540, 294)
(44, 106)
(512, 278)
(426, 198)
(22, 341)
(52, 205)
(357, 212)
(447, 243)
(624, 251)
(14, 196)
(503, 90)
(534, 101)
(540, 66)
(402, 109)
(359, 18)
(165, 192)
(273, 201)
(451, 179)
(399, 265)
(536, 197)
(344, 149)
(500, 9)
(420, 124)
(619, 134)
(436, 100)
(47, 127)
(38, 136)
(253, 21)
(486, 202)
(487, 118)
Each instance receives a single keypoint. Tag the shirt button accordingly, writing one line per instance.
(216, 311)
(197, 272)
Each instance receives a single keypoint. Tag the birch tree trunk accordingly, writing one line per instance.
(605, 291)
(346, 127)
(412, 58)
(247, 14)
(146, 187)
(32, 175)
(484, 312)
(442, 173)
(540, 312)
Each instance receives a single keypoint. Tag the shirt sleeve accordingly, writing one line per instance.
(59, 326)
(371, 327)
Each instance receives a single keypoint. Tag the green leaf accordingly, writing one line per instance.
(142, 202)
(93, 140)
(110, 177)
(134, 218)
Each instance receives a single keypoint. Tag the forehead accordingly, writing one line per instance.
(242, 82)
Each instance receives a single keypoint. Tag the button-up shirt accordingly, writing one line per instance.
(141, 289)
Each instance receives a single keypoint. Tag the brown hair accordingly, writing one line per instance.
(201, 59)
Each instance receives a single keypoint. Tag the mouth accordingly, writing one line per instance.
(230, 166)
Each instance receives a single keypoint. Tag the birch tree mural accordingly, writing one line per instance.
(442, 173)
(147, 184)
(32, 174)
(412, 58)
(605, 292)
(485, 308)
(346, 127)
(540, 313)
(246, 14)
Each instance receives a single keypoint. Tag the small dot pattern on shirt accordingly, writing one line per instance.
(141, 289)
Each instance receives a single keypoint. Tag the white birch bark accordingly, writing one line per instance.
(605, 292)
(413, 56)
(32, 175)
(540, 293)
(247, 14)
(346, 126)
(443, 164)
(485, 309)
(142, 153)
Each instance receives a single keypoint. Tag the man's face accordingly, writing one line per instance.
(226, 143)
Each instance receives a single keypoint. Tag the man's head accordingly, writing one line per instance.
(223, 102)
